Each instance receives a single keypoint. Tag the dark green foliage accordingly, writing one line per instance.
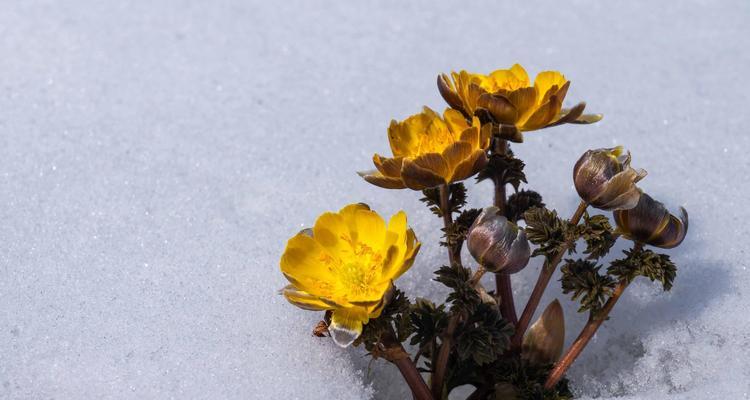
(456, 198)
(588, 285)
(463, 297)
(515, 379)
(427, 321)
(598, 234)
(654, 266)
(520, 202)
(548, 231)
(484, 335)
(394, 318)
(503, 169)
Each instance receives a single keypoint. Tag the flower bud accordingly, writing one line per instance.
(498, 244)
(605, 180)
(649, 222)
(543, 343)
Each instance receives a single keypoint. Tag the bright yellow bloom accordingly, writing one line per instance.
(507, 96)
(429, 151)
(347, 263)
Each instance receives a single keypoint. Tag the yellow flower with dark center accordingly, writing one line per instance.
(429, 151)
(347, 264)
(508, 97)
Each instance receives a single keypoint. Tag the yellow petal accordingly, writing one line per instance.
(545, 81)
(520, 74)
(305, 264)
(472, 136)
(388, 166)
(378, 179)
(501, 109)
(524, 100)
(543, 115)
(457, 153)
(472, 164)
(455, 121)
(332, 232)
(303, 299)
(416, 177)
(346, 325)
(370, 229)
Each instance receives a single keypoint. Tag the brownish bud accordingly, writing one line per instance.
(498, 244)
(543, 343)
(605, 180)
(650, 222)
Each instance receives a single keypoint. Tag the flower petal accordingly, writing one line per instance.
(475, 162)
(428, 170)
(378, 179)
(346, 325)
(370, 228)
(304, 264)
(569, 115)
(303, 300)
(501, 109)
(543, 115)
(388, 166)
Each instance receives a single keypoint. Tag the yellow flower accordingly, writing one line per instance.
(347, 263)
(506, 95)
(429, 151)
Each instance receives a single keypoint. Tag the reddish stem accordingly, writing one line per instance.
(541, 283)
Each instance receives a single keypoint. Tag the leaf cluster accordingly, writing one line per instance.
(598, 234)
(456, 198)
(484, 335)
(504, 169)
(516, 379)
(463, 297)
(590, 287)
(548, 231)
(646, 263)
(427, 321)
(395, 318)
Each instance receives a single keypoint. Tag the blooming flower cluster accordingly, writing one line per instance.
(347, 264)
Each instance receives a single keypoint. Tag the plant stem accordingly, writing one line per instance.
(441, 362)
(541, 283)
(453, 254)
(502, 281)
(588, 331)
(505, 290)
(395, 353)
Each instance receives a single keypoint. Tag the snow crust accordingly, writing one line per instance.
(155, 157)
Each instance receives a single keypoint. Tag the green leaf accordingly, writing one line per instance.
(654, 266)
(548, 231)
(589, 287)
(598, 234)
(503, 169)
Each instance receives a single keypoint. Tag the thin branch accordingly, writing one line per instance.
(541, 283)
(588, 331)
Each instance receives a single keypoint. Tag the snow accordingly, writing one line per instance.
(155, 157)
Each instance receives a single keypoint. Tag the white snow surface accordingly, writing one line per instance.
(156, 156)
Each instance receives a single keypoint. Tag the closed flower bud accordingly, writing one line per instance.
(498, 244)
(605, 180)
(649, 222)
(543, 343)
